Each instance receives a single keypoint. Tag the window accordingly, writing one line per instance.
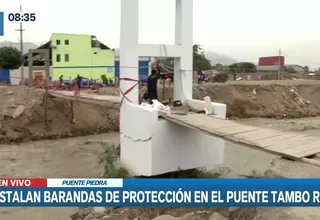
(58, 42)
(66, 42)
(66, 57)
(58, 57)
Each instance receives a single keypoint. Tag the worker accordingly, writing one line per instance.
(79, 78)
(61, 80)
(158, 72)
(200, 77)
(152, 85)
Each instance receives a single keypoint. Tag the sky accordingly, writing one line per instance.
(241, 29)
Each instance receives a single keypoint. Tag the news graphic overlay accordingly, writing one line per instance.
(159, 192)
(1, 24)
(16, 17)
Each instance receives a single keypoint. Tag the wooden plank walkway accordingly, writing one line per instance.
(286, 144)
(88, 98)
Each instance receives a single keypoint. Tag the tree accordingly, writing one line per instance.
(218, 66)
(242, 67)
(200, 62)
(10, 58)
(291, 70)
(306, 69)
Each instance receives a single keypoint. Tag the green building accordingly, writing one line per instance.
(74, 54)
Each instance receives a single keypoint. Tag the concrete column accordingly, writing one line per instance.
(129, 58)
(184, 37)
(149, 145)
(47, 64)
(30, 65)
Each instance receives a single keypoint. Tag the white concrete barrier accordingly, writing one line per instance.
(152, 146)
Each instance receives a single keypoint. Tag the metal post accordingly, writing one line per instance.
(279, 60)
(21, 46)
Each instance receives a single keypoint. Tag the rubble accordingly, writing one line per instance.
(245, 213)
(19, 111)
(23, 116)
(140, 214)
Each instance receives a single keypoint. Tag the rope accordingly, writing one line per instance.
(124, 94)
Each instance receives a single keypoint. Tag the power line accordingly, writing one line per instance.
(21, 44)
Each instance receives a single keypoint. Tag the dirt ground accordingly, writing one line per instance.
(246, 100)
(270, 99)
(80, 157)
(65, 158)
(30, 125)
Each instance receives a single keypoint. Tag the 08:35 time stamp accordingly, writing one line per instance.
(10, 17)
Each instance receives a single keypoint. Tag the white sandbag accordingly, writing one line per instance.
(167, 110)
(207, 105)
(146, 105)
(161, 107)
(157, 105)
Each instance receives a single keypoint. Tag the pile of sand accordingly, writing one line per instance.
(22, 116)
(245, 99)
(269, 100)
(22, 113)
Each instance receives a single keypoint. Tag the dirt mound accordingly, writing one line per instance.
(245, 99)
(270, 100)
(22, 116)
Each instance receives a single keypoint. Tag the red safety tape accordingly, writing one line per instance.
(124, 94)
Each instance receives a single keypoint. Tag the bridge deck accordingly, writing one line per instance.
(286, 144)
(89, 98)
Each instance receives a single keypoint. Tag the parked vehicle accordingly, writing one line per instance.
(221, 78)
(68, 84)
(85, 83)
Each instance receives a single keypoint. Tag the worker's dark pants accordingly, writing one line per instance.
(153, 95)
(152, 87)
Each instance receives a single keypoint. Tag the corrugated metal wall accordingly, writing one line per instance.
(5, 76)
(15, 75)
(143, 70)
(117, 68)
(271, 61)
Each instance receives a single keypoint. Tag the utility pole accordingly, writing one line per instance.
(279, 60)
(21, 45)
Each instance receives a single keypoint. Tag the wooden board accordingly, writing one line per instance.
(89, 98)
(286, 144)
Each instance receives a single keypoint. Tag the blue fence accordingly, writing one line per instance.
(143, 70)
(5, 76)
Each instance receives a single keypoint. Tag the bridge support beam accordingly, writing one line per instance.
(149, 145)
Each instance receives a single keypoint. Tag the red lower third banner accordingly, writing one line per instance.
(23, 182)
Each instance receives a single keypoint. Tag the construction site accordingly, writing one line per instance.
(236, 128)
(53, 143)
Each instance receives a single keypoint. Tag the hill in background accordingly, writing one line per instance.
(216, 58)
(26, 45)
(212, 56)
